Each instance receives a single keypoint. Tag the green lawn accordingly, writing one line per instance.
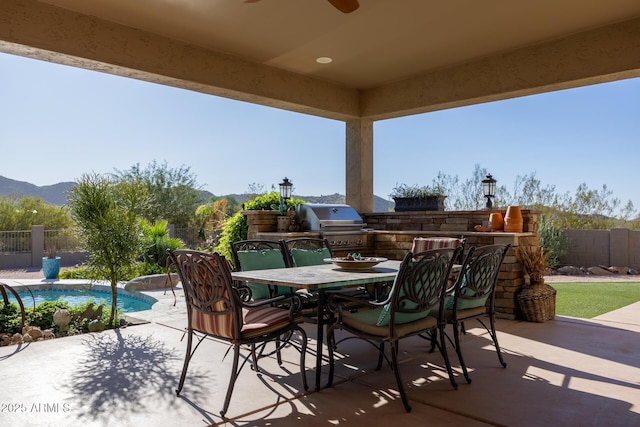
(588, 300)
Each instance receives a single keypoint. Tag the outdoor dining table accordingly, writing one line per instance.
(320, 278)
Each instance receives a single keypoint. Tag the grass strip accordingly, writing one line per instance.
(590, 299)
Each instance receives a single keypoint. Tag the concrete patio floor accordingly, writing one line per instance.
(568, 371)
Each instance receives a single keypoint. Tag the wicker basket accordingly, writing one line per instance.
(537, 302)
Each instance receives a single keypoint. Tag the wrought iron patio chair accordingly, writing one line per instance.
(255, 254)
(418, 292)
(215, 309)
(427, 243)
(307, 251)
(473, 297)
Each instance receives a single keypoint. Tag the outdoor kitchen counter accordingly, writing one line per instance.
(394, 244)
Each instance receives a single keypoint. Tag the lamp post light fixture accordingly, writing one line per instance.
(489, 189)
(285, 194)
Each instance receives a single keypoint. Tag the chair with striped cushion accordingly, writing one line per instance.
(215, 309)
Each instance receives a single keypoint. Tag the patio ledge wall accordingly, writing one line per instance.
(393, 234)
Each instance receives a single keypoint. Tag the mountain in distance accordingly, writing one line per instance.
(57, 194)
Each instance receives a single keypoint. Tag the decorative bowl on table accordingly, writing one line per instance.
(350, 263)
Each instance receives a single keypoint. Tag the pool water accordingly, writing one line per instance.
(125, 303)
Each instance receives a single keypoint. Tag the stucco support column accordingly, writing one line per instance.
(359, 165)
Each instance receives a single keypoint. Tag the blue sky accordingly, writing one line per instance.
(59, 122)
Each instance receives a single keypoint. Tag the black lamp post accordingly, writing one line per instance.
(489, 189)
(285, 194)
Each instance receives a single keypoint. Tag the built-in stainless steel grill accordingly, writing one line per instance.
(341, 225)
(326, 217)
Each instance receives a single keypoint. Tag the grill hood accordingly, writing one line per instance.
(329, 217)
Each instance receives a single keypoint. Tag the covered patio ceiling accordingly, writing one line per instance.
(389, 58)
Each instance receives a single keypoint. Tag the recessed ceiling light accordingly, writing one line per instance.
(324, 60)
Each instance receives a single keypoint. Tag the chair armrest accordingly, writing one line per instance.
(267, 301)
(336, 302)
(243, 291)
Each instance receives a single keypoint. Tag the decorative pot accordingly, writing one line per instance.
(427, 203)
(51, 267)
(513, 220)
(496, 223)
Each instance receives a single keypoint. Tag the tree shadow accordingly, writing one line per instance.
(119, 373)
(270, 381)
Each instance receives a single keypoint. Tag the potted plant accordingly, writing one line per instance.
(51, 263)
(537, 300)
(417, 198)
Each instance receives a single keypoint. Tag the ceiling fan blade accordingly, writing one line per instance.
(345, 6)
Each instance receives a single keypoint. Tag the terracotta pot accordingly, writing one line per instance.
(513, 220)
(496, 223)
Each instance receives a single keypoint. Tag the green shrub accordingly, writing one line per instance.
(553, 240)
(146, 269)
(236, 227)
(80, 272)
(10, 319)
(136, 269)
(81, 325)
(42, 315)
(156, 241)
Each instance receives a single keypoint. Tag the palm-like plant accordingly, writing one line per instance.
(106, 214)
(156, 241)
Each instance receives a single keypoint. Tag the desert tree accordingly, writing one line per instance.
(106, 214)
(174, 192)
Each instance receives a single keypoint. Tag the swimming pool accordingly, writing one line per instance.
(127, 302)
